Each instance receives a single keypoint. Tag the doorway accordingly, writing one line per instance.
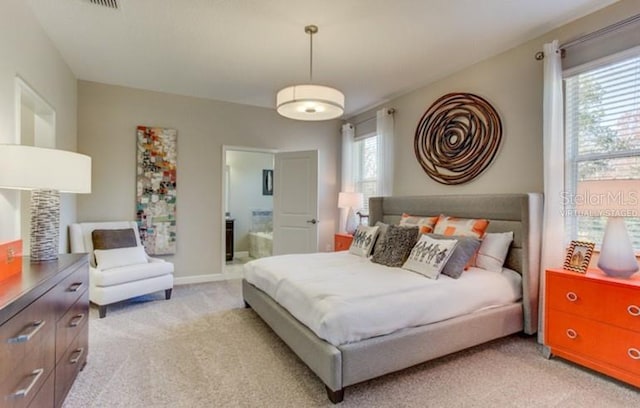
(35, 126)
(247, 205)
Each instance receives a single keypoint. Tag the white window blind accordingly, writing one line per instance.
(602, 119)
(365, 167)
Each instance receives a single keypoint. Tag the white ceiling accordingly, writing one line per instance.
(244, 51)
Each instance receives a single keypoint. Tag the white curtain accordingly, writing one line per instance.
(553, 238)
(348, 134)
(348, 182)
(384, 129)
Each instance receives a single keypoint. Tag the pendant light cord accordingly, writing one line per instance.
(311, 30)
(310, 57)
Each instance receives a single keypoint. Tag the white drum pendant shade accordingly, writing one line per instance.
(310, 102)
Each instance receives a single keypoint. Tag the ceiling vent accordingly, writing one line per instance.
(113, 4)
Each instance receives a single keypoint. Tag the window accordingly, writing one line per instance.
(602, 119)
(365, 171)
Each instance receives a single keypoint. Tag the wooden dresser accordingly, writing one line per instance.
(43, 331)
(594, 320)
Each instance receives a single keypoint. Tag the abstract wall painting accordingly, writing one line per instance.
(156, 189)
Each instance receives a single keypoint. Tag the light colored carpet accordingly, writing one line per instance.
(202, 349)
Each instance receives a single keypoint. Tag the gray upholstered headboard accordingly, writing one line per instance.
(520, 213)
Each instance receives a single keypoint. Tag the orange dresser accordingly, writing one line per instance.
(342, 242)
(594, 320)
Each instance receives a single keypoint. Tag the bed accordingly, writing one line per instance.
(342, 365)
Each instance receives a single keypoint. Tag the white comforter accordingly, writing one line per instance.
(345, 298)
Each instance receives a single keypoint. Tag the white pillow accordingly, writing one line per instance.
(493, 250)
(115, 258)
(363, 240)
(429, 256)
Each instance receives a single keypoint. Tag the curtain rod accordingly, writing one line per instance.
(390, 111)
(595, 34)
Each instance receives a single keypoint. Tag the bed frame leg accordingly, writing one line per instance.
(335, 396)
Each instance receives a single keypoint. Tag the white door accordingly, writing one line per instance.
(295, 202)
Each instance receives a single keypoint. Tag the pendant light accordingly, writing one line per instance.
(309, 101)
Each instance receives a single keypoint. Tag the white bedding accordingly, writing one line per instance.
(345, 298)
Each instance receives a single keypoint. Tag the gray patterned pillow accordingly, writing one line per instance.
(382, 231)
(466, 248)
(396, 245)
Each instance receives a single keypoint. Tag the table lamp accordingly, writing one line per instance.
(351, 201)
(615, 199)
(47, 173)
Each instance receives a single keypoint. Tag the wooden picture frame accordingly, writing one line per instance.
(578, 256)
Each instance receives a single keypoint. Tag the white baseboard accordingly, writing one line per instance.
(241, 254)
(188, 280)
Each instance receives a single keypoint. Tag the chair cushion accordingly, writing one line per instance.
(124, 274)
(115, 258)
(113, 238)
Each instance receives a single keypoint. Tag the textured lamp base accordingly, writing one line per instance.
(352, 222)
(45, 225)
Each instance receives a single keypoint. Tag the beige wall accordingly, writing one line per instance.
(107, 119)
(26, 51)
(512, 83)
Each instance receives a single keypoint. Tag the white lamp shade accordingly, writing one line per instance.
(30, 168)
(310, 102)
(350, 200)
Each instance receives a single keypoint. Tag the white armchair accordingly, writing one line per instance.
(123, 282)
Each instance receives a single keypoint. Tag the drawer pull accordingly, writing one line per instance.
(572, 297)
(28, 333)
(633, 310)
(23, 392)
(634, 353)
(79, 352)
(572, 334)
(75, 287)
(76, 320)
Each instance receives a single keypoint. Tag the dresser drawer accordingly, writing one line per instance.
(45, 395)
(576, 296)
(69, 290)
(597, 299)
(23, 334)
(70, 364)
(25, 381)
(620, 306)
(575, 334)
(72, 323)
(597, 341)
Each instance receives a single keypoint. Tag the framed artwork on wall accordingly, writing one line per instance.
(156, 181)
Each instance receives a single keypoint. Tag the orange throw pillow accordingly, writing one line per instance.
(425, 224)
(467, 227)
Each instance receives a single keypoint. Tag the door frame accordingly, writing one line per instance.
(224, 198)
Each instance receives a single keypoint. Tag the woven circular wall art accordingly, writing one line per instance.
(457, 138)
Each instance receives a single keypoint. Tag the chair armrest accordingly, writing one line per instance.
(150, 259)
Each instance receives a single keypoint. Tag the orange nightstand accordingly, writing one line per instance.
(342, 242)
(594, 320)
